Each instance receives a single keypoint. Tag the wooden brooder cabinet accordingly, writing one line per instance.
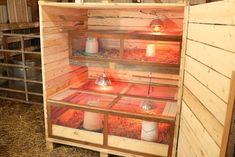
(80, 43)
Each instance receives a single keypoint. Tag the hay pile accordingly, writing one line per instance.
(22, 133)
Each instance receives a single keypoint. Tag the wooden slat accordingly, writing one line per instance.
(139, 146)
(211, 124)
(56, 57)
(55, 49)
(129, 22)
(21, 25)
(202, 142)
(160, 6)
(221, 36)
(134, 35)
(212, 13)
(188, 142)
(59, 71)
(140, 13)
(220, 60)
(81, 135)
(213, 103)
(213, 80)
(58, 64)
(56, 37)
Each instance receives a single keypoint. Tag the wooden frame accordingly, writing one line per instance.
(55, 38)
(123, 35)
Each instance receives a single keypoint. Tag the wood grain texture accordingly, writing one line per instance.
(207, 97)
(219, 60)
(211, 13)
(209, 62)
(221, 36)
(211, 124)
(200, 140)
(213, 80)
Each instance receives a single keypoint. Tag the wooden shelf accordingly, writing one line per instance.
(24, 25)
(165, 117)
(101, 62)
(174, 36)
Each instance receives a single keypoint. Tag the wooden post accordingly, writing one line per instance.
(104, 154)
(50, 145)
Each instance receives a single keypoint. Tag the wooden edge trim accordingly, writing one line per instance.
(229, 116)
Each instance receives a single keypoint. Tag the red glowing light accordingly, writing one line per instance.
(157, 29)
(156, 25)
(105, 88)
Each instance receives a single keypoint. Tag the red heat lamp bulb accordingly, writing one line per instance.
(156, 25)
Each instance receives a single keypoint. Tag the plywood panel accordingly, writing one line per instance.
(212, 13)
(213, 80)
(220, 60)
(212, 102)
(221, 36)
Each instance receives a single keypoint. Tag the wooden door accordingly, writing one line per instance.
(208, 62)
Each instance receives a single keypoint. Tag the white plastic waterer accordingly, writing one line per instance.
(149, 129)
(93, 121)
(92, 45)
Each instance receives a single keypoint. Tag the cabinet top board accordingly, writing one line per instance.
(160, 6)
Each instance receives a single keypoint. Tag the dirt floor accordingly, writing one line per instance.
(22, 133)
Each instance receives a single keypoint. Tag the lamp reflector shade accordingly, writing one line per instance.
(103, 80)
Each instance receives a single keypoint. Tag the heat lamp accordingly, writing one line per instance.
(157, 25)
(103, 80)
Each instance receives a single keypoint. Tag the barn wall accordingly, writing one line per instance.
(209, 62)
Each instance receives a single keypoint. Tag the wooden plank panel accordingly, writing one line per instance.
(219, 60)
(56, 57)
(213, 80)
(135, 76)
(54, 42)
(213, 103)
(63, 14)
(211, 124)
(222, 36)
(71, 77)
(56, 36)
(132, 6)
(77, 134)
(59, 71)
(58, 64)
(184, 149)
(130, 22)
(137, 145)
(190, 144)
(62, 82)
(140, 13)
(55, 49)
(201, 140)
(212, 13)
